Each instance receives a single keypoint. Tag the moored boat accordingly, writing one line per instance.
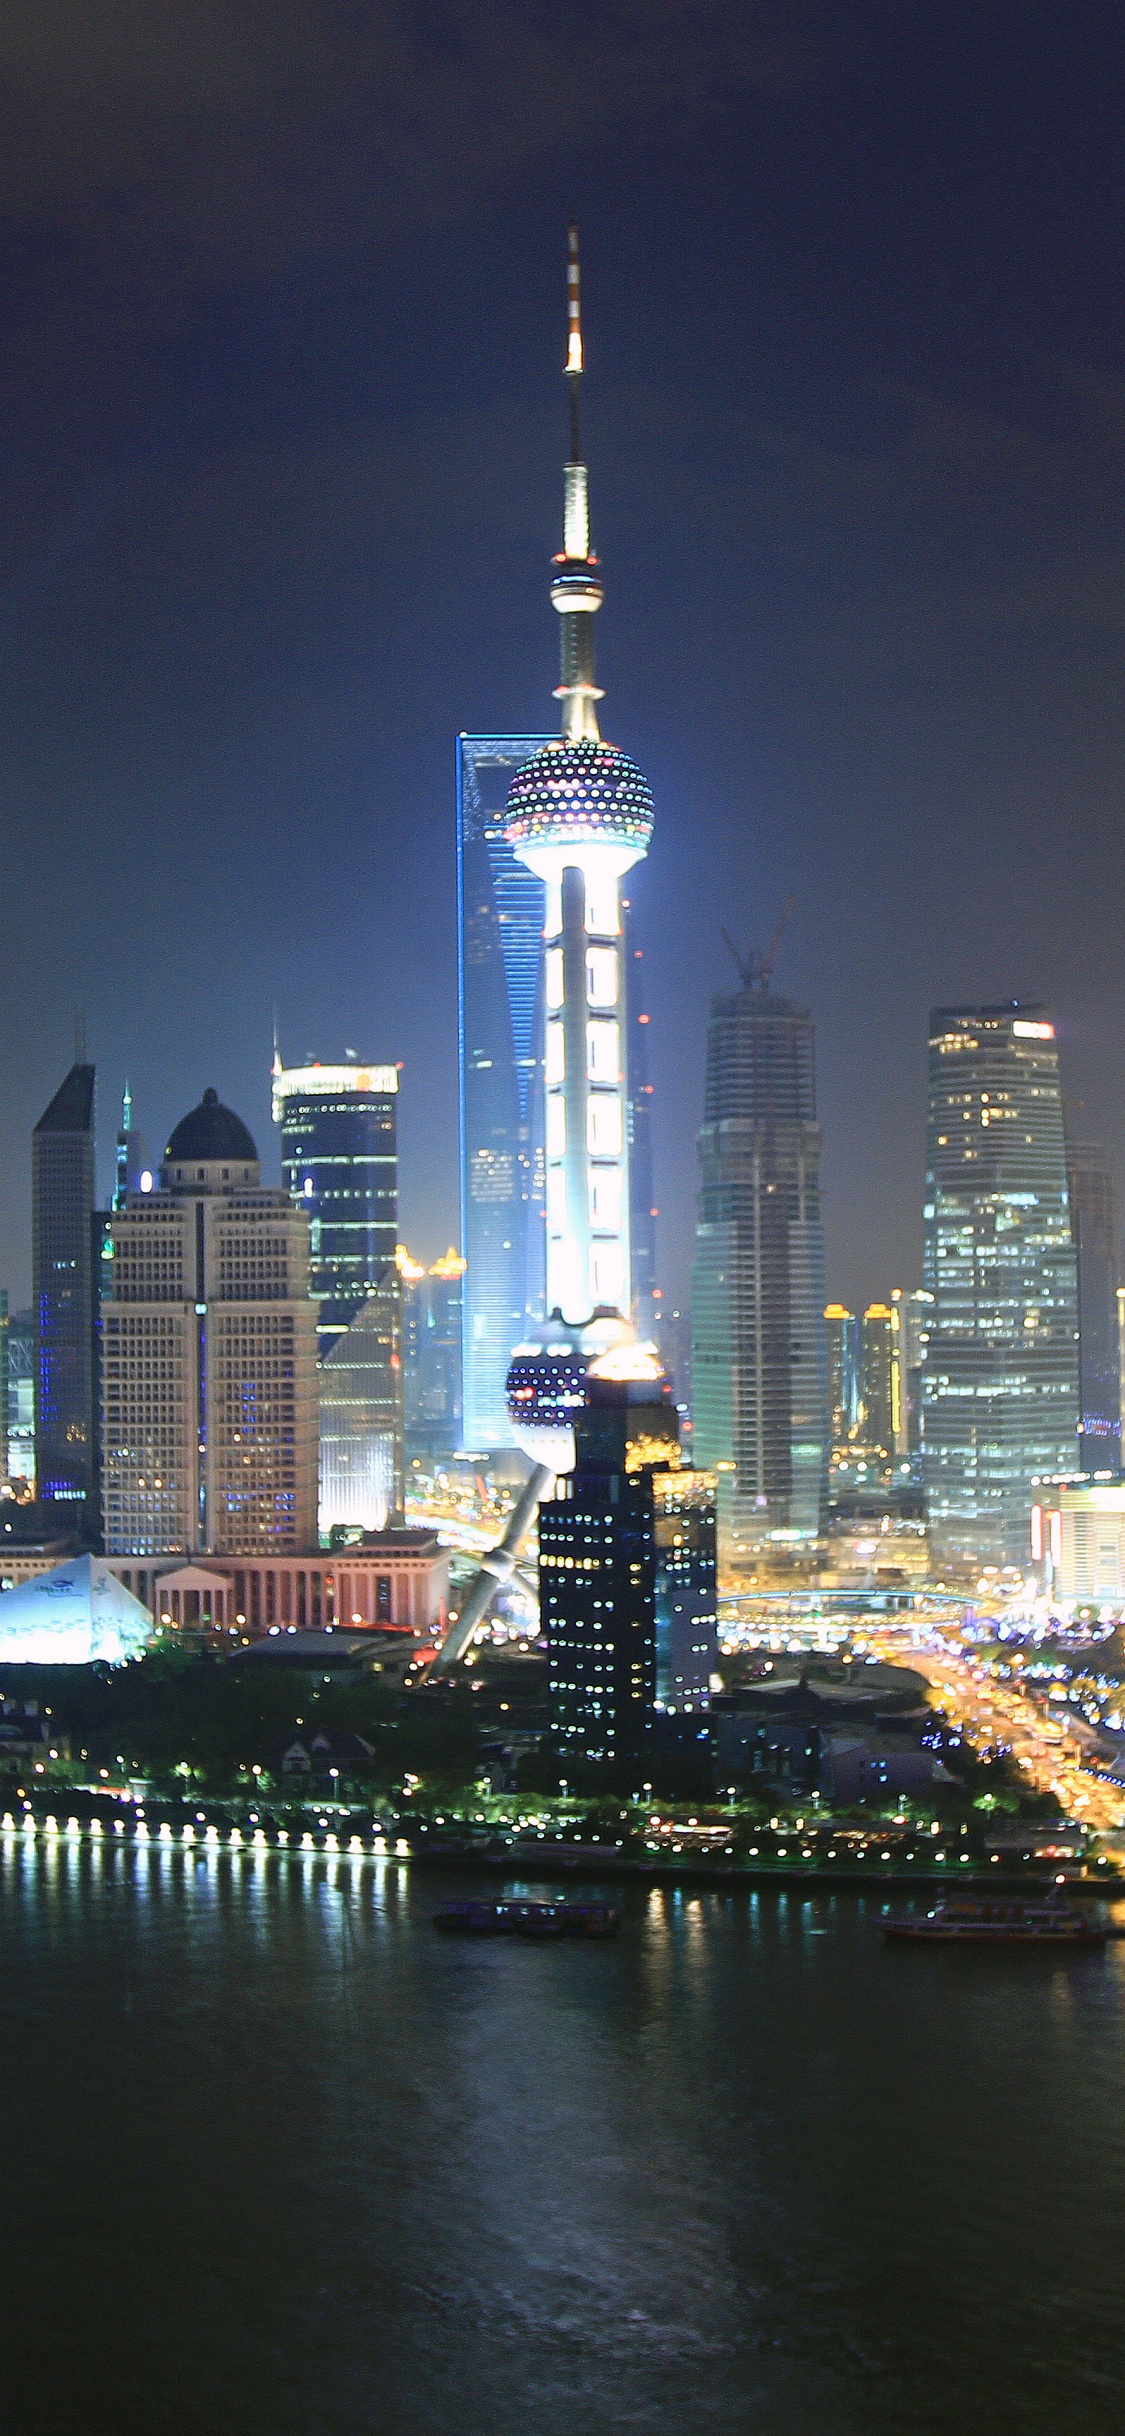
(986, 1923)
(514, 1916)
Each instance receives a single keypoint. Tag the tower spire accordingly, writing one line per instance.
(576, 590)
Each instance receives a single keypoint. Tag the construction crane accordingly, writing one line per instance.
(755, 969)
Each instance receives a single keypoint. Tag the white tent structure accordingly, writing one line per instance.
(68, 1617)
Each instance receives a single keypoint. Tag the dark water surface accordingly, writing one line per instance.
(278, 2158)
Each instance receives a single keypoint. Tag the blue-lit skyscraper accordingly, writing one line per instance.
(1000, 1379)
(500, 956)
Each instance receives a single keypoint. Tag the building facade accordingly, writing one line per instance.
(1077, 1538)
(433, 1310)
(1090, 1187)
(62, 1278)
(1000, 1384)
(339, 1164)
(208, 1372)
(841, 1333)
(397, 1578)
(759, 1348)
(362, 1439)
(879, 1382)
(643, 1212)
(22, 1338)
(500, 1051)
(627, 1574)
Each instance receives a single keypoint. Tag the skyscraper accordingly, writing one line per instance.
(910, 1335)
(1000, 1384)
(362, 1437)
(1090, 1187)
(841, 1329)
(208, 1372)
(62, 1206)
(642, 1208)
(431, 1300)
(339, 1164)
(579, 816)
(877, 1381)
(500, 1049)
(759, 1359)
(627, 1571)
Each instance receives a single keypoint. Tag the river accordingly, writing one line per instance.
(281, 2161)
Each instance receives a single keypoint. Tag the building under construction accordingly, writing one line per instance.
(759, 1353)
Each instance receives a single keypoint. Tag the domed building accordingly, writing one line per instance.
(211, 1147)
(208, 1386)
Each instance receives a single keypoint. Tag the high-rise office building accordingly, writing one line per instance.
(759, 1358)
(362, 1438)
(339, 1165)
(910, 1335)
(643, 1212)
(500, 1040)
(1000, 1384)
(21, 1352)
(1090, 1187)
(877, 1379)
(841, 1331)
(208, 1371)
(431, 1335)
(62, 1246)
(627, 1571)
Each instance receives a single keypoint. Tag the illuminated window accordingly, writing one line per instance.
(556, 1053)
(556, 1125)
(602, 916)
(603, 1126)
(601, 976)
(605, 1197)
(603, 1051)
(553, 976)
(607, 1274)
(556, 1199)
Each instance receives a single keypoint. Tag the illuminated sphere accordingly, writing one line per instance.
(576, 793)
(545, 1389)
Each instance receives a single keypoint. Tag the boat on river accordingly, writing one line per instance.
(514, 1916)
(963, 1922)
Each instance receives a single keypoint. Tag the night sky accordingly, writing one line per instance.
(281, 430)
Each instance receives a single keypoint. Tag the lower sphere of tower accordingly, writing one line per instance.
(577, 792)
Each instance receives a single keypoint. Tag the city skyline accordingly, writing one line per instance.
(864, 511)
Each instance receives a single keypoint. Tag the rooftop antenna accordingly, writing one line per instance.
(755, 968)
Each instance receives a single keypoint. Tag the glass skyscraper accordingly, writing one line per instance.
(1090, 1186)
(500, 974)
(62, 1261)
(759, 1351)
(338, 1163)
(1000, 1382)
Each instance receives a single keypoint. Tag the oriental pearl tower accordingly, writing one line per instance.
(579, 815)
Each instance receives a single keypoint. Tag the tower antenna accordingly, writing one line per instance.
(573, 337)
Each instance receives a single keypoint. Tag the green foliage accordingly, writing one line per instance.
(219, 1719)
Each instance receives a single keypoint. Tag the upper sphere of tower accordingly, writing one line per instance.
(579, 791)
